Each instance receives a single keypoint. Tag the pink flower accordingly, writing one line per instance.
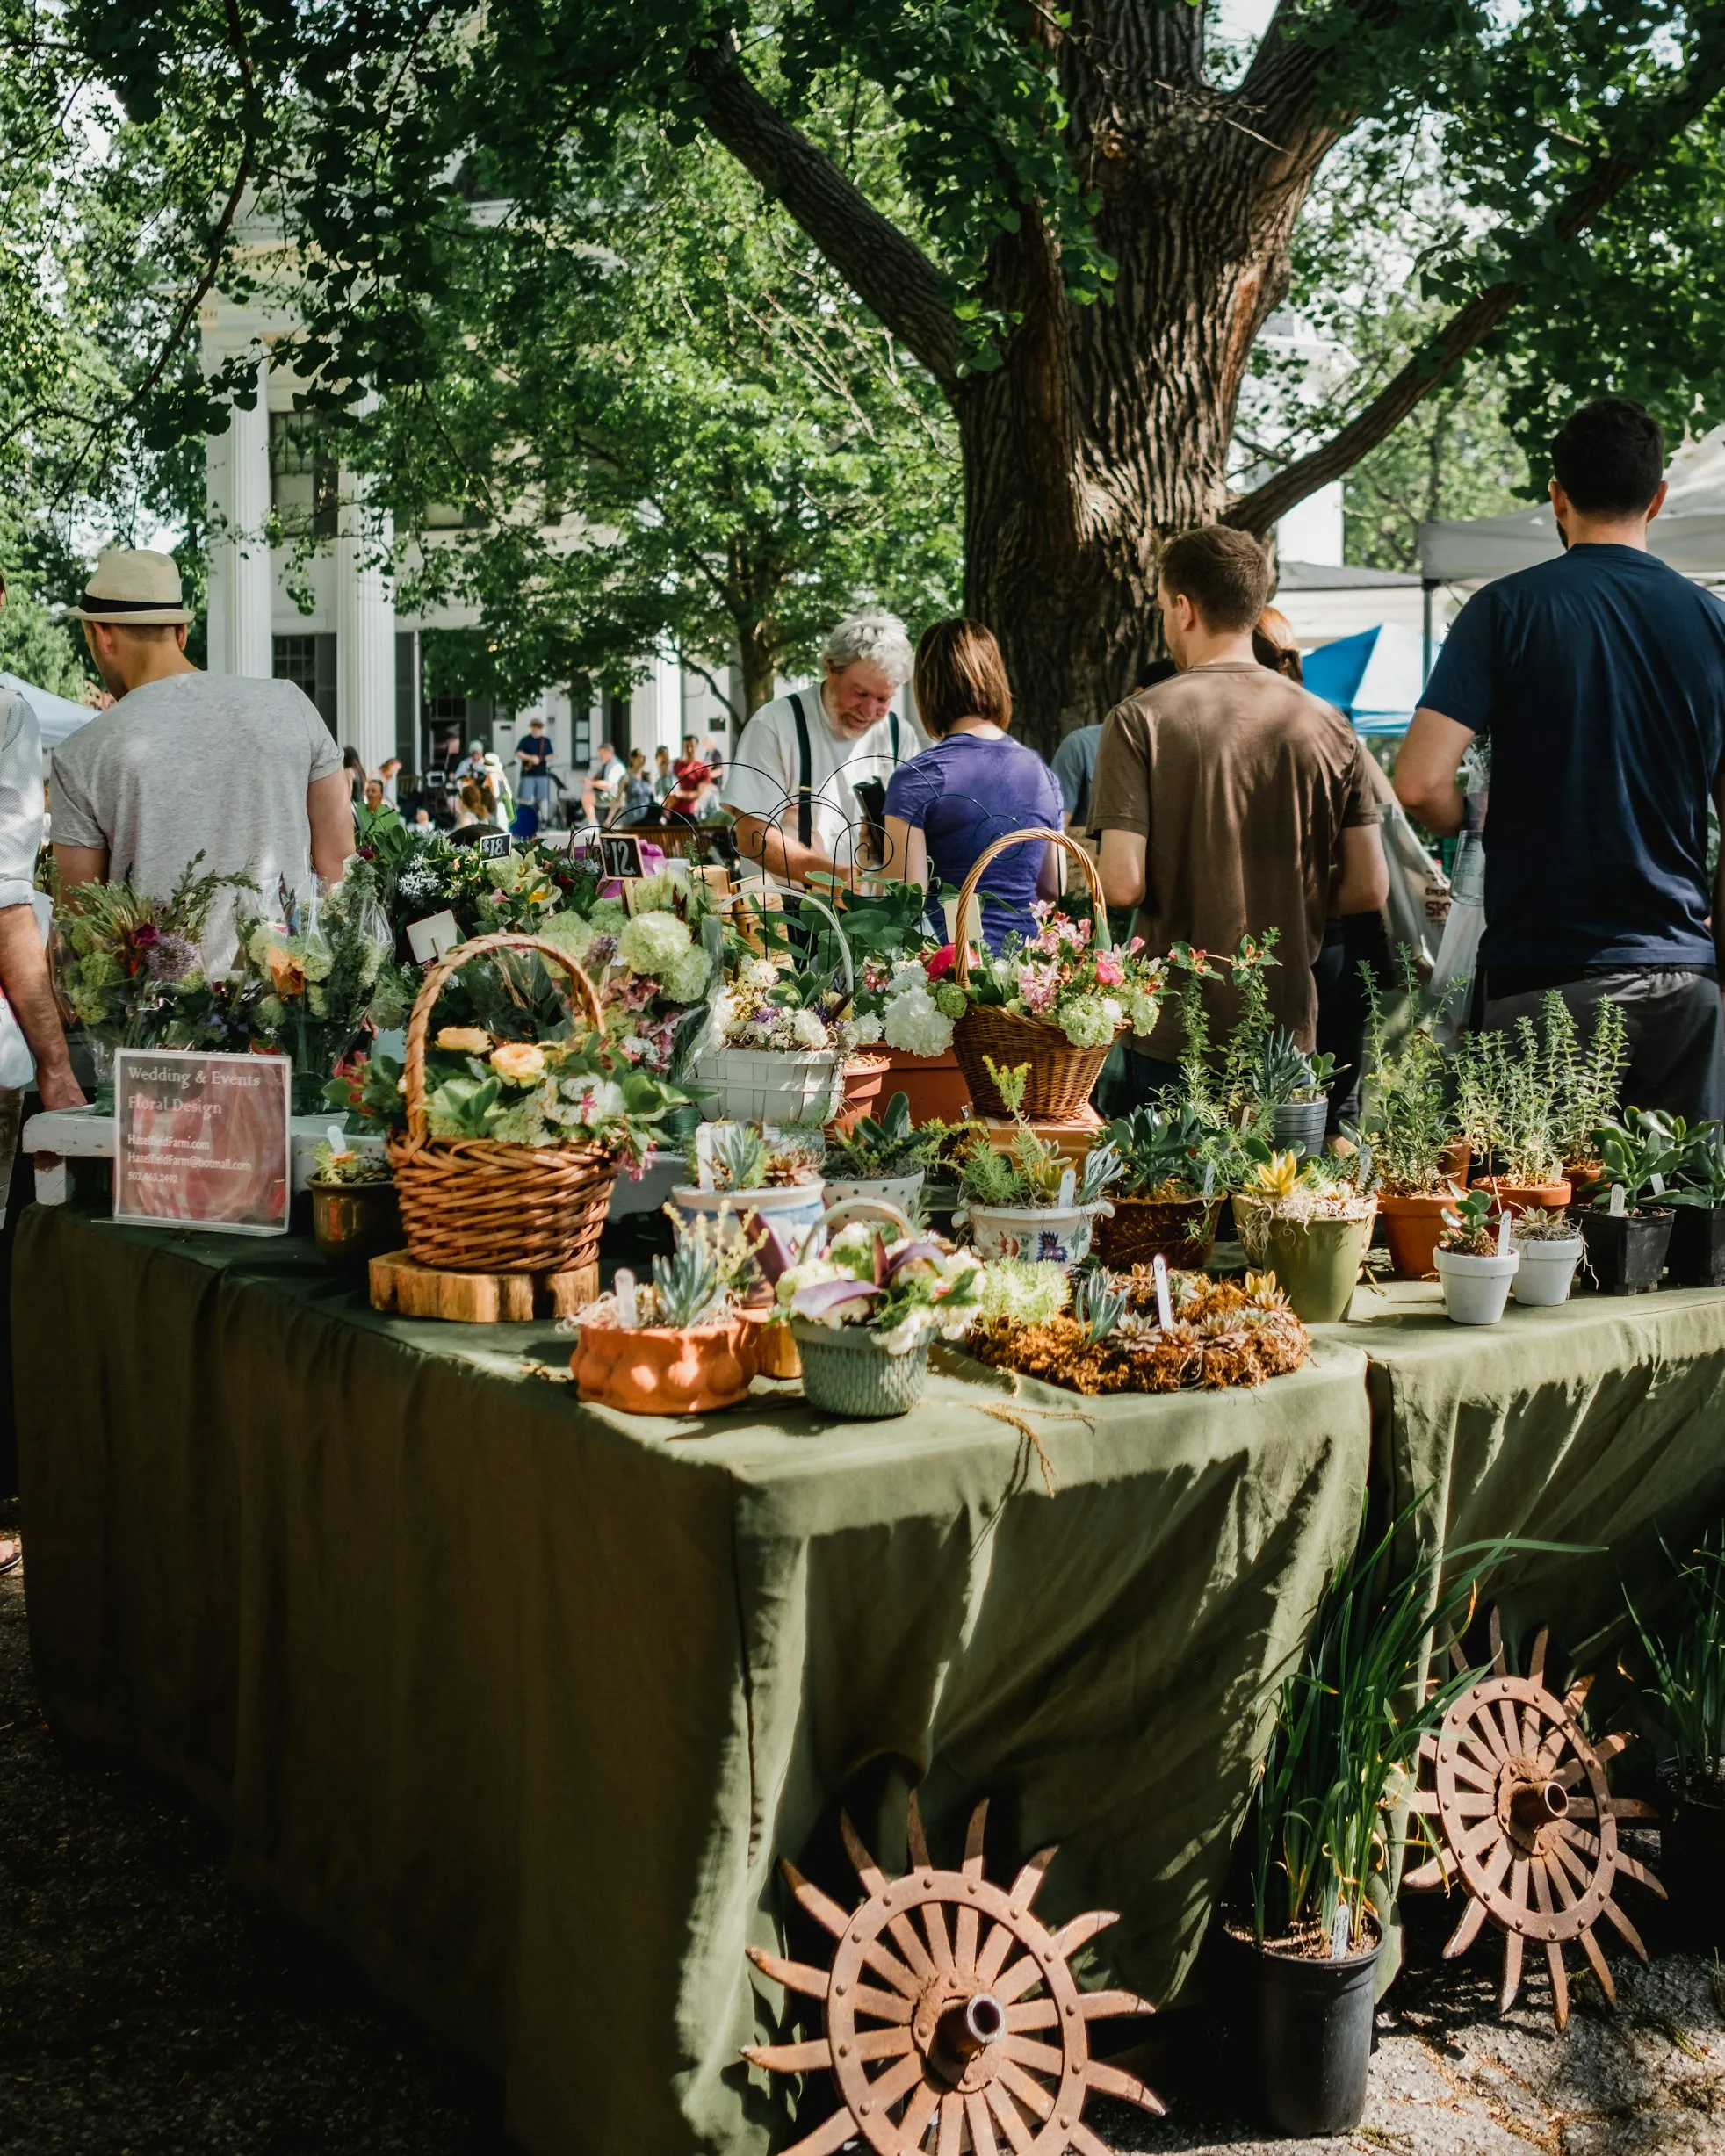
(1039, 985)
(1109, 971)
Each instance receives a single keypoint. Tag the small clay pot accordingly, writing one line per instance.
(1317, 1262)
(1515, 1198)
(662, 1370)
(936, 1088)
(1454, 1159)
(354, 1222)
(863, 1077)
(774, 1346)
(1411, 1226)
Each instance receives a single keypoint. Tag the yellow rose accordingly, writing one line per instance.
(464, 1039)
(518, 1062)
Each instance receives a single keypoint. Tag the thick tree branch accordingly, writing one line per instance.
(1609, 172)
(1281, 85)
(886, 269)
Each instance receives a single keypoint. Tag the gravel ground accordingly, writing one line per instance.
(147, 2010)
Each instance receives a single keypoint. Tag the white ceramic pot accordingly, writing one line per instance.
(1060, 1233)
(792, 1209)
(1475, 1289)
(901, 1191)
(1548, 1269)
(759, 1085)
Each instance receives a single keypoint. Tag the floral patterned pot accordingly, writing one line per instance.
(660, 1370)
(1062, 1233)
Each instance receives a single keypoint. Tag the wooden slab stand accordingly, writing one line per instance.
(477, 1298)
(1074, 1136)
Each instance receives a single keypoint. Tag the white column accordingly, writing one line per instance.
(665, 685)
(364, 628)
(242, 575)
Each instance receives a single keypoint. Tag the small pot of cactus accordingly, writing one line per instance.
(1025, 1198)
(1629, 1224)
(355, 1216)
(680, 1345)
(1308, 1222)
(1475, 1261)
(1295, 1088)
(885, 1160)
(1550, 1246)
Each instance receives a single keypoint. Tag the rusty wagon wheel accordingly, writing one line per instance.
(952, 2022)
(1519, 1808)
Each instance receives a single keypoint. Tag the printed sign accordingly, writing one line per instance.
(202, 1139)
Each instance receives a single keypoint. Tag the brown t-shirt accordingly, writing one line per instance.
(1241, 782)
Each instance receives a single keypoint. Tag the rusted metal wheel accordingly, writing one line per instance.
(1517, 1801)
(952, 2020)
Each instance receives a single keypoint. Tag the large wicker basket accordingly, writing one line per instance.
(1062, 1077)
(476, 1205)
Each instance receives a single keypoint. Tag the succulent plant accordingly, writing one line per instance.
(1098, 1305)
(688, 1283)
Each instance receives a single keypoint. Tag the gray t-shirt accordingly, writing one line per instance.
(198, 760)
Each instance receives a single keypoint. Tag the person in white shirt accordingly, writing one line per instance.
(608, 777)
(790, 783)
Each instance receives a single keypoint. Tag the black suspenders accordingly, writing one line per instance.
(805, 767)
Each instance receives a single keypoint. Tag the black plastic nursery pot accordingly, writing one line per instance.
(1301, 2031)
(1691, 1858)
(1697, 1257)
(1627, 1251)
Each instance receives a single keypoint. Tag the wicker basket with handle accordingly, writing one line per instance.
(1061, 1076)
(478, 1205)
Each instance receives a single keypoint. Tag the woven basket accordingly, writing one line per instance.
(1062, 1077)
(1181, 1229)
(476, 1205)
(846, 1371)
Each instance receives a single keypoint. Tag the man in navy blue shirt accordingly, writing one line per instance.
(1599, 680)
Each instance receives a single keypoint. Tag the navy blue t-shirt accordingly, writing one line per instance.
(1599, 681)
(965, 792)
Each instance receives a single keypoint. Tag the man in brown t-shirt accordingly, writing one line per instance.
(1229, 801)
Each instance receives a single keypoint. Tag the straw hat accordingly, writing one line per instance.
(134, 587)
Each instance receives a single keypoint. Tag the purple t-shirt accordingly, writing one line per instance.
(962, 794)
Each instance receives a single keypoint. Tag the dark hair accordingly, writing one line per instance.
(960, 674)
(1223, 572)
(1273, 644)
(1610, 458)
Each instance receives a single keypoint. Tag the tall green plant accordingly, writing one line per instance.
(1583, 1083)
(1407, 1114)
(1686, 1655)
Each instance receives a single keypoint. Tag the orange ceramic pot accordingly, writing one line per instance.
(1515, 1198)
(1454, 1159)
(774, 1346)
(864, 1075)
(934, 1085)
(1411, 1227)
(655, 1370)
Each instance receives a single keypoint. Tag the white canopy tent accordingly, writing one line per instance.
(56, 716)
(1689, 532)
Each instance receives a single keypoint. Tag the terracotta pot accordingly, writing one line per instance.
(1180, 1230)
(1411, 1227)
(1515, 1198)
(775, 1347)
(1586, 1177)
(656, 1370)
(864, 1075)
(355, 1221)
(934, 1085)
(1453, 1160)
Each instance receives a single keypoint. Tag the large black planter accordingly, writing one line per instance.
(1692, 1859)
(1627, 1251)
(1697, 1257)
(1302, 2033)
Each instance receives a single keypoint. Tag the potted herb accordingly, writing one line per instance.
(1026, 1200)
(1411, 1127)
(1686, 1653)
(1309, 1223)
(1163, 1205)
(1629, 1230)
(738, 1171)
(886, 1160)
(1697, 1257)
(1294, 1087)
(1474, 1260)
(1582, 1082)
(1510, 1118)
(355, 1216)
(1551, 1247)
(680, 1346)
(865, 1310)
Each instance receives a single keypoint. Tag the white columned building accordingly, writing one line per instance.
(242, 581)
(364, 629)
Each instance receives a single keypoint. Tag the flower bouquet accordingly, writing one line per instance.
(656, 969)
(865, 1311)
(781, 1029)
(1059, 999)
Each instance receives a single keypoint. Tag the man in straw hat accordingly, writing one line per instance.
(243, 771)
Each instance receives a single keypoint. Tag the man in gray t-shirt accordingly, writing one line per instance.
(243, 770)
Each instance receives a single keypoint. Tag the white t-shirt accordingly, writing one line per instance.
(763, 778)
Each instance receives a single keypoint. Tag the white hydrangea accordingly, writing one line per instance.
(1090, 1021)
(907, 972)
(569, 932)
(865, 1030)
(913, 1022)
(651, 942)
(1140, 1010)
(760, 973)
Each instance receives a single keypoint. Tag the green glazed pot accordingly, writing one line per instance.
(1315, 1262)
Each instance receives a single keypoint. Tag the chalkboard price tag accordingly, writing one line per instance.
(621, 854)
(492, 846)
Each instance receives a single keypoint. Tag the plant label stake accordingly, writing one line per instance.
(628, 1311)
(1656, 1185)
(1068, 1186)
(1616, 1207)
(1210, 1179)
(1341, 1934)
(1165, 1313)
(1503, 1235)
(703, 1156)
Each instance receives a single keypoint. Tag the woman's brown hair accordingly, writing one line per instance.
(1275, 645)
(960, 674)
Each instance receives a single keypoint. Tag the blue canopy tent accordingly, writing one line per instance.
(1373, 679)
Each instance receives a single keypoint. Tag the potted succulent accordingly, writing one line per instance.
(736, 1170)
(1510, 1118)
(1295, 1088)
(355, 1214)
(1687, 1655)
(886, 1160)
(680, 1346)
(1474, 1260)
(1697, 1257)
(1026, 1200)
(1629, 1230)
(1164, 1203)
(1409, 1123)
(1551, 1247)
(865, 1309)
(1309, 1223)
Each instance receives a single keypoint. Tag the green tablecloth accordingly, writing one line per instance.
(521, 1700)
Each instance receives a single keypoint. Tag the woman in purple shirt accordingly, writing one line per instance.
(945, 807)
